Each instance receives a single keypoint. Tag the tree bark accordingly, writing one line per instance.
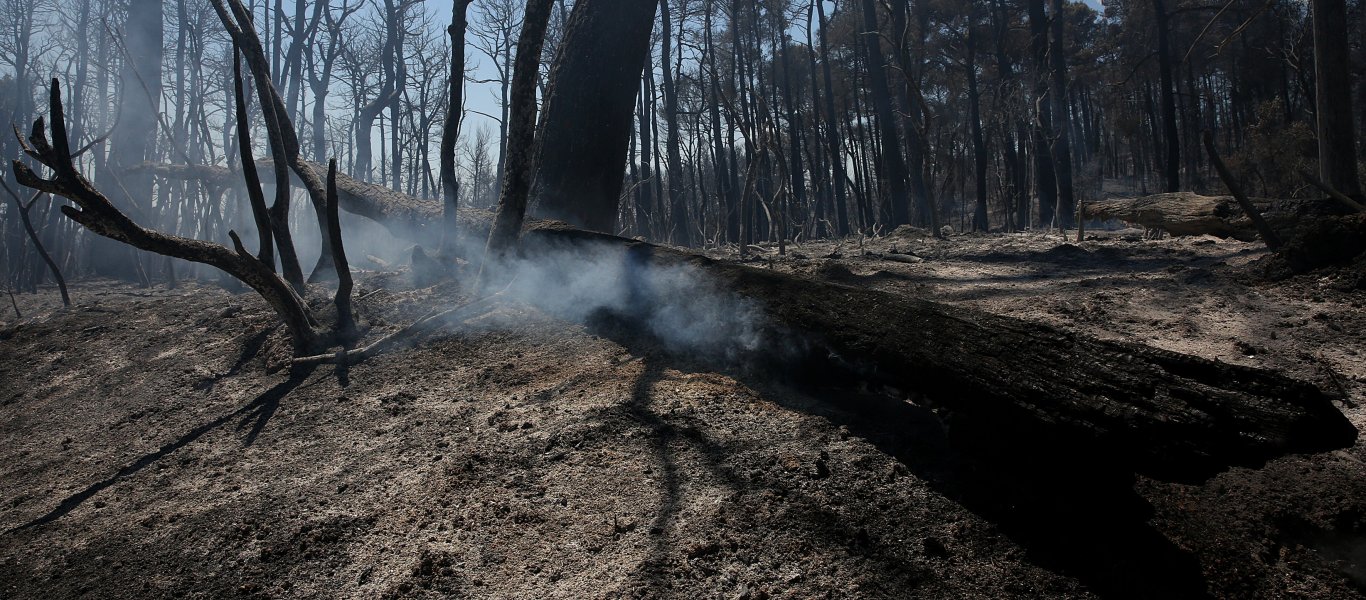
(507, 222)
(346, 321)
(1171, 168)
(450, 127)
(1041, 130)
(1159, 413)
(680, 233)
(833, 134)
(134, 137)
(1333, 98)
(1062, 145)
(979, 145)
(893, 165)
(586, 127)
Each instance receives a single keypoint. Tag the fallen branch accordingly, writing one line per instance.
(407, 336)
(1269, 236)
(1342, 198)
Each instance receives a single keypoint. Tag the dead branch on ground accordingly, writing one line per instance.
(1268, 234)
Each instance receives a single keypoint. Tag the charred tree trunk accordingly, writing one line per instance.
(1166, 415)
(893, 165)
(833, 134)
(1041, 131)
(721, 144)
(346, 321)
(134, 138)
(1062, 145)
(588, 112)
(507, 223)
(1171, 167)
(450, 127)
(1333, 98)
(679, 232)
(979, 145)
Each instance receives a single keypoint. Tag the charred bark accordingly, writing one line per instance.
(346, 321)
(507, 222)
(1159, 413)
(450, 128)
(588, 112)
(94, 211)
(1333, 98)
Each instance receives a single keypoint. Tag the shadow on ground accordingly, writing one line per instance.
(1072, 515)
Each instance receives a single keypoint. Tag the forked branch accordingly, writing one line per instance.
(95, 212)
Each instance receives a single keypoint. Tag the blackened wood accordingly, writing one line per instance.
(1164, 414)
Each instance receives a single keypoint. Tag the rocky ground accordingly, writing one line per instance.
(147, 450)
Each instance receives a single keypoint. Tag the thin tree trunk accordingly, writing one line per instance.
(507, 222)
(1062, 147)
(893, 166)
(450, 127)
(1172, 165)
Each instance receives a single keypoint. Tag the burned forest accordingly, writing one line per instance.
(683, 299)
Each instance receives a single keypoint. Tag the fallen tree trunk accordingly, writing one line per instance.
(1187, 213)
(403, 215)
(1167, 415)
(1163, 414)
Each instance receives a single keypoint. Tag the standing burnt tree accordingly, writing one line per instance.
(587, 115)
(507, 221)
(95, 212)
(1333, 98)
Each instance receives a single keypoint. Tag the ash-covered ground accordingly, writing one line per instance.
(147, 450)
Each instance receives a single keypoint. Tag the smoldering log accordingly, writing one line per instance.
(1163, 414)
(1187, 213)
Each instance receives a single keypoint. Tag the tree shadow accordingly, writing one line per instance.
(261, 408)
(1072, 513)
(666, 439)
(249, 351)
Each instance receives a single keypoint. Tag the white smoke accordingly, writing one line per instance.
(679, 305)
